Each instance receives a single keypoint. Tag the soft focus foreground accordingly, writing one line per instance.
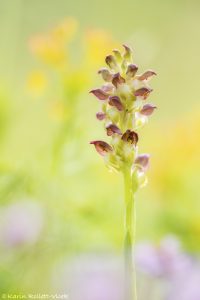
(61, 211)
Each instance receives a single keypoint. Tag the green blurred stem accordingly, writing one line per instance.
(130, 220)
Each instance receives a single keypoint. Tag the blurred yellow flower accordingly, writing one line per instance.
(98, 43)
(52, 47)
(37, 82)
(72, 68)
(48, 50)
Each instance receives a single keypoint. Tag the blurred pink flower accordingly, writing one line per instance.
(91, 277)
(186, 286)
(172, 271)
(165, 260)
(21, 224)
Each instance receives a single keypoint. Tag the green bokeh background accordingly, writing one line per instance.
(52, 162)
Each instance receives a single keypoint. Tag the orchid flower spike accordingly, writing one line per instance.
(124, 109)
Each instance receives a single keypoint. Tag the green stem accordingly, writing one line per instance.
(130, 276)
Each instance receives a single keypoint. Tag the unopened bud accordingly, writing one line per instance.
(105, 73)
(100, 116)
(111, 61)
(107, 88)
(131, 70)
(118, 55)
(142, 161)
(127, 53)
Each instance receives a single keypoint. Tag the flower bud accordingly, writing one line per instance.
(100, 116)
(107, 88)
(127, 53)
(130, 137)
(131, 70)
(111, 61)
(117, 80)
(100, 94)
(117, 55)
(115, 101)
(113, 129)
(148, 109)
(105, 73)
(143, 92)
(102, 147)
(146, 75)
(142, 161)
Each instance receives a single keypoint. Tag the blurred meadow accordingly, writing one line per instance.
(58, 200)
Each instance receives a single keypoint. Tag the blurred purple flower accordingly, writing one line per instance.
(186, 286)
(91, 277)
(163, 260)
(174, 270)
(21, 223)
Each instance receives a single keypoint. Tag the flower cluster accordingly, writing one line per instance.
(124, 109)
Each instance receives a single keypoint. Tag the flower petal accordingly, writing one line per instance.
(130, 136)
(131, 70)
(112, 129)
(105, 73)
(100, 94)
(143, 92)
(143, 161)
(102, 147)
(100, 116)
(115, 101)
(148, 109)
(117, 79)
(146, 75)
